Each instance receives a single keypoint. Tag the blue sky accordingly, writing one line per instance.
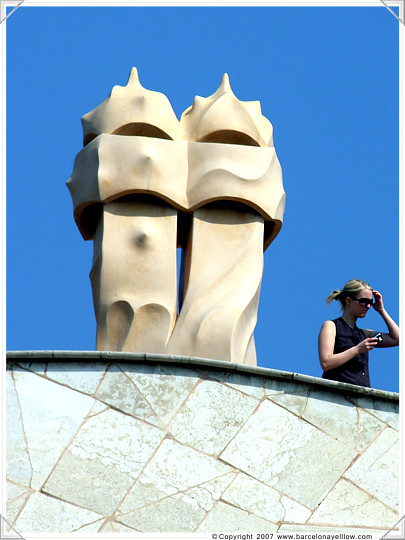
(327, 78)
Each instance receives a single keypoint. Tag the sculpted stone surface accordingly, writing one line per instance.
(146, 183)
(221, 296)
(132, 110)
(134, 276)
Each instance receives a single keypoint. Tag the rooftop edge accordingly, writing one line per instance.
(92, 356)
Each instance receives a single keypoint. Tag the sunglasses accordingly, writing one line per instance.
(364, 301)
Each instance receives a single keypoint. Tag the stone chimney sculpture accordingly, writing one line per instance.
(145, 184)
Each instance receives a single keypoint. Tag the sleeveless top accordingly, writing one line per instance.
(355, 371)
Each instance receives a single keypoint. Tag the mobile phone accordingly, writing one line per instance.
(379, 337)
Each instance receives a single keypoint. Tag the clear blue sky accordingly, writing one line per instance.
(327, 78)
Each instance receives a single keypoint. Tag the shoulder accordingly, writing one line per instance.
(329, 324)
(329, 327)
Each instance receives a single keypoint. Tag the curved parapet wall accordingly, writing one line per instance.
(119, 442)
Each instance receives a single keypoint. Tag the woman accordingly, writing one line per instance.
(343, 347)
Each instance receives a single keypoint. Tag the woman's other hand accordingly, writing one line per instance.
(378, 304)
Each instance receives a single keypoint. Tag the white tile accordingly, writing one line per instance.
(182, 511)
(377, 470)
(212, 416)
(48, 515)
(263, 501)
(16, 497)
(273, 447)
(295, 403)
(333, 414)
(119, 391)
(347, 505)
(166, 387)
(387, 411)
(51, 415)
(104, 459)
(174, 468)
(82, 376)
(179, 513)
(18, 463)
(226, 518)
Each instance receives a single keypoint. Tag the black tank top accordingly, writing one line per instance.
(355, 371)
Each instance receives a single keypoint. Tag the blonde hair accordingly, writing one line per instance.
(351, 288)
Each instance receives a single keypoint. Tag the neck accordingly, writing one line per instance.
(349, 318)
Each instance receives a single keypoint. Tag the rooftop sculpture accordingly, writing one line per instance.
(146, 183)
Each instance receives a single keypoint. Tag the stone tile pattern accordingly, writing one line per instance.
(157, 447)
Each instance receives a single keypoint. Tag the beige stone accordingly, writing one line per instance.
(220, 150)
(132, 110)
(114, 166)
(244, 174)
(222, 118)
(134, 277)
(222, 286)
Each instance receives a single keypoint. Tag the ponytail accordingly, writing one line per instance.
(334, 296)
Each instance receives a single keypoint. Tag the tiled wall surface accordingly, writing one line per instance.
(112, 446)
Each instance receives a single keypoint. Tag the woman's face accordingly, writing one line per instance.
(359, 305)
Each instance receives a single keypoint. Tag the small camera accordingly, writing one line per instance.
(378, 337)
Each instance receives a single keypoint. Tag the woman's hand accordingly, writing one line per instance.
(378, 302)
(367, 345)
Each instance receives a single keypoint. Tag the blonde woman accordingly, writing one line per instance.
(343, 347)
